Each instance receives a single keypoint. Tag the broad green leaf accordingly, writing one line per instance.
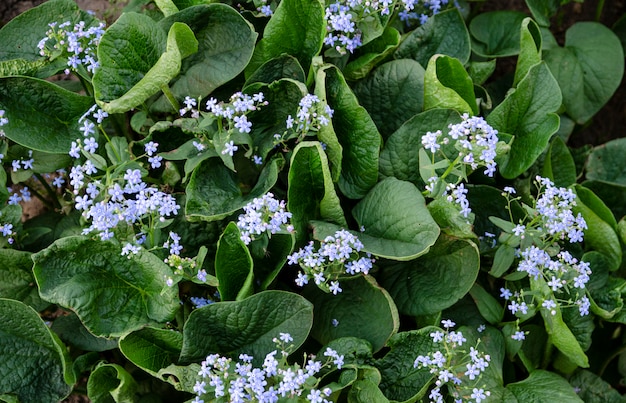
(447, 85)
(326, 134)
(434, 281)
(362, 309)
(111, 294)
(528, 112)
(225, 45)
(606, 163)
(588, 69)
(489, 307)
(273, 258)
(72, 332)
(392, 94)
(152, 349)
(543, 386)
(372, 54)
(18, 282)
(19, 54)
(213, 191)
(593, 389)
(42, 116)
(530, 49)
(447, 217)
(559, 165)
(167, 7)
(283, 66)
(233, 265)
(357, 134)
(396, 221)
(364, 390)
(496, 33)
(560, 335)
(543, 10)
(297, 28)
(601, 233)
(246, 326)
(111, 383)
(479, 72)
(612, 195)
(582, 327)
(31, 362)
(311, 192)
(181, 43)
(502, 260)
(183, 378)
(400, 380)
(283, 97)
(444, 33)
(399, 157)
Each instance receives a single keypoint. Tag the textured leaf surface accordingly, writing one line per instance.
(112, 294)
(233, 265)
(543, 386)
(152, 349)
(31, 361)
(607, 164)
(246, 326)
(18, 282)
(111, 382)
(496, 33)
(447, 85)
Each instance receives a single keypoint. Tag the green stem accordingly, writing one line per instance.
(450, 167)
(170, 97)
(106, 136)
(547, 354)
(599, 9)
(51, 192)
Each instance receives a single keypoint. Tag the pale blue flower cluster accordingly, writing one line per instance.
(338, 255)
(410, 9)
(90, 143)
(264, 215)
(237, 382)
(3, 121)
(7, 231)
(78, 43)
(451, 362)
(312, 114)
(22, 163)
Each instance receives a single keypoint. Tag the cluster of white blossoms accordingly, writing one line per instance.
(222, 378)
(338, 255)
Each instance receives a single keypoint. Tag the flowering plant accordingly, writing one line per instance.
(196, 194)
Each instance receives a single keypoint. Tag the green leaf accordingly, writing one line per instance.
(326, 134)
(530, 49)
(268, 266)
(447, 217)
(136, 60)
(213, 191)
(311, 193)
(72, 332)
(152, 349)
(606, 163)
(364, 390)
(479, 72)
(19, 284)
(528, 112)
(42, 116)
(363, 310)
(246, 326)
(496, 33)
(111, 383)
(183, 378)
(233, 265)
(400, 380)
(543, 10)
(447, 85)
(297, 28)
(19, 54)
(593, 389)
(167, 7)
(543, 386)
(357, 134)
(397, 223)
(601, 233)
(444, 33)
(283, 66)
(392, 94)
(372, 54)
(588, 69)
(434, 281)
(399, 157)
(216, 61)
(559, 165)
(111, 294)
(489, 307)
(32, 364)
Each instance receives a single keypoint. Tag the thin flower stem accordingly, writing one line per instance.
(51, 192)
(170, 97)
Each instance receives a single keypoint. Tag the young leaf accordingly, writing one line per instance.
(496, 33)
(447, 85)
(489, 307)
(530, 49)
(112, 294)
(559, 165)
(372, 54)
(111, 381)
(152, 349)
(233, 265)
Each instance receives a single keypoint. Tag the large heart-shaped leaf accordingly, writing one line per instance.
(496, 33)
(247, 326)
(588, 69)
(111, 294)
(434, 281)
(32, 362)
(42, 116)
